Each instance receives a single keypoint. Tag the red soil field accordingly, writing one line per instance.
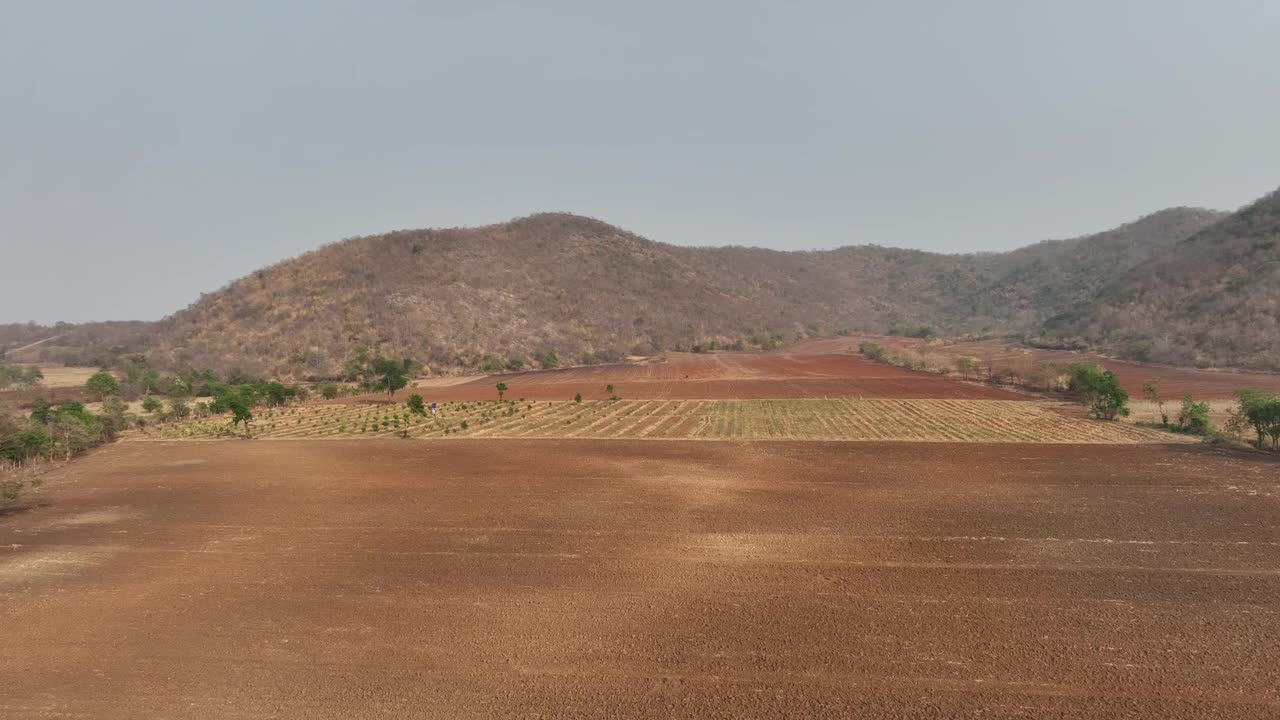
(508, 578)
(1203, 384)
(722, 376)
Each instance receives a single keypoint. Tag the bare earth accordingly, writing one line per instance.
(631, 578)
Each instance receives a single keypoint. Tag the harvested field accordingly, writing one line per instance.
(1203, 384)
(550, 578)
(860, 420)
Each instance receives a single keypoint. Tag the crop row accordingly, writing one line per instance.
(802, 419)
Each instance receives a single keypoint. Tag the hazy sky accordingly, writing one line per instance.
(150, 151)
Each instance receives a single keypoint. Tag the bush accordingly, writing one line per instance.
(178, 409)
(1194, 417)
(152, 404)
(1100, 391)
(329, 391)
(577, 398)
(872, 351)
(1261, 412)
(102, 384)
(416, 405)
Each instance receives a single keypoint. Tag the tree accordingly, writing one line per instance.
(40, 409)
(102, 384)
(391, 375)
(967, 366)
(549, 359)
(416, 406)
(115, 415)
(1100, 391)
(608, 389)
(152, 404)
(577, 398)
(1261, 411)
(277, 393)
(329, 391)
(1151, 389)
(178, 408)
(1193, 417)
(239, 401)
(179, 388)
(502, 388)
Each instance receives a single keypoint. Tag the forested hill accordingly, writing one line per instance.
(1212, 299)
(589, 291)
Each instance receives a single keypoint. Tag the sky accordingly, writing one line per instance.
(151, 151)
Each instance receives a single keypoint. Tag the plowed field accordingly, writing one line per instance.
(627, 579)
(1204, 384)
(723, 376)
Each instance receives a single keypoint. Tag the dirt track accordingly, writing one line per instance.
(351, 579)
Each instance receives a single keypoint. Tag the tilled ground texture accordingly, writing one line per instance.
(1201, 383)
(806, 419)
(495, 579)
(722, 376)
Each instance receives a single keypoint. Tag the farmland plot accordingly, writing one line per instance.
(800, 419)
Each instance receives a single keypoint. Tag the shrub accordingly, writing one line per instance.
(1194, 417)
(102, 384)
(329, 391)
(872, 351)
(1100, 391)
(152, 404)
(1261, 412)
(577, 398)
(416, 405)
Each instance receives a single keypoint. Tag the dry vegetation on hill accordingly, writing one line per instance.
(504, 295)
(592, 292)
(1213, 299)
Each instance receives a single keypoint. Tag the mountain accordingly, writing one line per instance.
(593, 292)
(1212, 299)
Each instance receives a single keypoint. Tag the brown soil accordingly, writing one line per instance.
(723, 376)
(1204, 384)
(514, 578)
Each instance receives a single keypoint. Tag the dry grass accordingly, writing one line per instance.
(65, 375)
(807, 419)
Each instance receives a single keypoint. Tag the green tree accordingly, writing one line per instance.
(1193, 417)
(608, 389)
(502, 389)
(179, 388)
(1151, 389)
(102, 384)
(549, 359)
(329, 391)
(391, 375)
(152, 404)
(115, 415)
(276, 393)
(967, 366)
(416, 406)
(1100, 391)
(238, 400)
(1261, 412)
(40, 410)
